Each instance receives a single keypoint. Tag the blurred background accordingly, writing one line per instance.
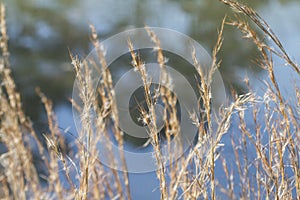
(43, 31)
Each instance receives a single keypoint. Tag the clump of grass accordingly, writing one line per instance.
(19, 177)
(270, 172)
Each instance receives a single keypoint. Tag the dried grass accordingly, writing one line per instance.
(272, 173)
